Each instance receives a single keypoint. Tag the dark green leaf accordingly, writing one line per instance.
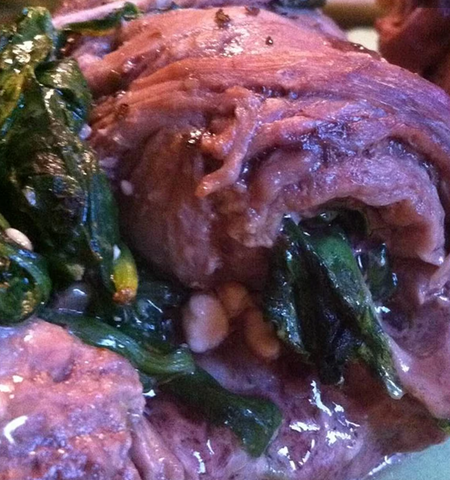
(329, 342)
(106, 25)
(52, 182)
(27, 44)
(65, 76)
(24, 281)
(98, 334)
(147, 319)
(280, 297)
(374, 263)
(253, 420)
(320, 295)
(330, 254)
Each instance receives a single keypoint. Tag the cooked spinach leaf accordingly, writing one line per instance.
(146, 326)
(23, 47)
(52, 183)
(150, 362)
(280, 298)
(253, 420)
(148, 318)
(24, 281)
(65, 77)
(335, 314)
(375, 265)
(105, 25)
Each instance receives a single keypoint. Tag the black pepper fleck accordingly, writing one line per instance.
(122, 110)
(222, 19)
(252, 11)
(269, 41)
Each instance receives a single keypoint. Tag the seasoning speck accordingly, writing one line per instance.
(122, 110)
(252, 11)
(222, 19)
(269, 41)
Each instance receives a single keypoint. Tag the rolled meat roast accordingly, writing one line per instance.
(216, 123)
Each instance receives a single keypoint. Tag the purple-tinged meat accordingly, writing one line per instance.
(89, 50)
(416, 35)
(228, 129)
(70, 411)
(155, 41)
(327, 433)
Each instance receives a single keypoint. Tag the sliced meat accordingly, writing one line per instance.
(154, 41)
(416, 35)
(70, 411)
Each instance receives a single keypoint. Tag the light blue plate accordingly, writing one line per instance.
(432, 464)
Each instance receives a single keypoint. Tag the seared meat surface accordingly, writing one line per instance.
(70, 411)
(219, 132)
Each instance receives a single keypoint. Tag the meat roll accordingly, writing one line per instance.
(216, 123)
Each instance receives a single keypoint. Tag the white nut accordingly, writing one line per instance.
(205, 322)
(235, 298)
(260, 336)
(20, 238)
(127, 188)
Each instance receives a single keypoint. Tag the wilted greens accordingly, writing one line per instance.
(105, 25)
(144, 333)
(253, 420)
(24, 281)
(321, 305)
(51, 181)
(148, 361)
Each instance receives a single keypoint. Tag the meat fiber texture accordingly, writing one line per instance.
(70, 411)
(215, 123)
(416, 35)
